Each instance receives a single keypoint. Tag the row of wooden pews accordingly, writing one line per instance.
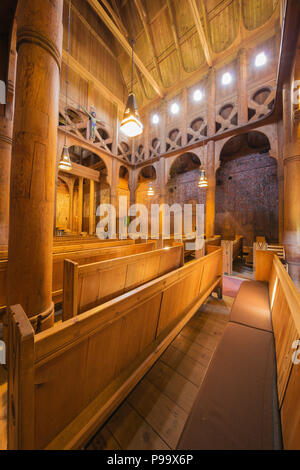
(82, 252)
(119, 317)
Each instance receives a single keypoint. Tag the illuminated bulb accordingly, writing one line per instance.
(155, 119)
(131, 124)
(150, 190)
(226, 78)
(174, 108)
(65, 161)
(198, 95)
(202, 180)
(260, 59)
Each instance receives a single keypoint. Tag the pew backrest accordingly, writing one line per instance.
(66, 381)
(285, 308)
(92, 256)
(90, 285)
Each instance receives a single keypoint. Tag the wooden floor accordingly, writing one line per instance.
(154, 414)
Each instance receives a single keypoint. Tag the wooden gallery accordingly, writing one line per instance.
(115, 334)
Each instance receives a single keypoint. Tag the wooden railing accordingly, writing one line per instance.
(285, 308)
(90, 285)
(66, 381)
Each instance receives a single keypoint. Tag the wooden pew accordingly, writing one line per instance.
(92, 256)
(65, 382)
(90, 285)
(232, 249)
(81, 256)
(285, 307)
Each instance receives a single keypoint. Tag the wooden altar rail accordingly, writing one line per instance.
(285, 308)
(81, 256)
(90, 285)
(232, 249)
(65, 382)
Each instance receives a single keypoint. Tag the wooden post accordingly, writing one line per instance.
(39, 45)
(80, 204)
(6, 129)
(184, 120)
(92, 208)
(211, 103)
(211, 191)
(242, 88)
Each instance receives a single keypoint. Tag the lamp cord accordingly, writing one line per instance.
(132, 43)
(68, 66)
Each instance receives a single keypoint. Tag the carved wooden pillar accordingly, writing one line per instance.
(6, 130)
(92, 208)
(242, 88)
(211, 102)
(39, 45)
(291, 238)
(80, 204)
(211, 191)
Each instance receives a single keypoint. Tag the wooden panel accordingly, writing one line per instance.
(90, 285)
(263, 265)
(290, 411)
(21, 414)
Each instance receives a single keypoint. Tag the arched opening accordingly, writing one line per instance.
(247, 190)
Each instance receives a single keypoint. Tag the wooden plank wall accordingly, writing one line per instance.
(90, 285)
(84, 367)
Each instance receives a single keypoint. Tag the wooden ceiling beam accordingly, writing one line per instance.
(117, 19)
(201, 33)
(144, 19)
(175, 34)
(124, 43)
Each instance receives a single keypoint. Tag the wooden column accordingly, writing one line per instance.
(5, 158)
(92, 208)
(39, 45)
(184, 120)
(163, 127)
(211, 191)
(80, 204)
(6, 128)
(71, 191)
(211, 103)
(242, 88)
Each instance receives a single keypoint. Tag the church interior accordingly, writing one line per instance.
(150, 342)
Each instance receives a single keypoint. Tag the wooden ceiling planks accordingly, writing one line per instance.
(168, 39)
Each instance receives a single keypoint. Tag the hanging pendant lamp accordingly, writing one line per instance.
(150, 190)
(203, 183)
(65, 161)
(131, 124)
(202, 180)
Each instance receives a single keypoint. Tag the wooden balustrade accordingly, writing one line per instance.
(66, 381)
